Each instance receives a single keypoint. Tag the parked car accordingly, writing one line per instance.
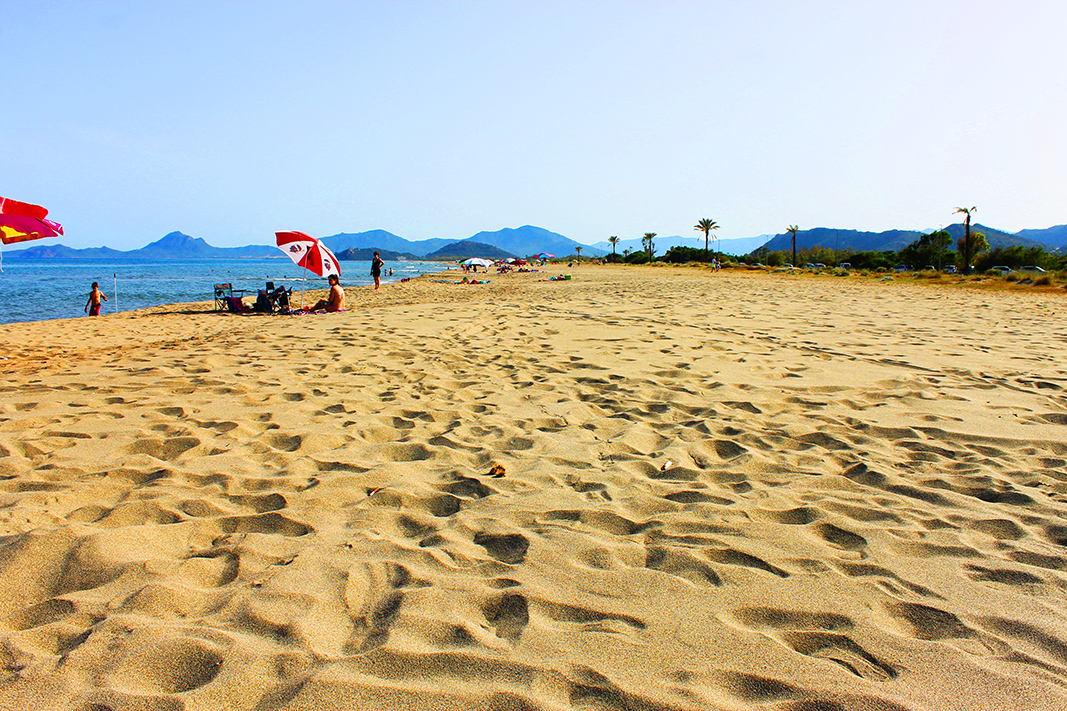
(950, 269)
(820, 265)
(901, 268)
(809, 265)
(1035, 270)
(929, 268)
(1002, 269)
(844, 265)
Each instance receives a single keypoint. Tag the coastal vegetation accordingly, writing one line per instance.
(649, 246)
(930, 250)
(968, 248)
(706, 225)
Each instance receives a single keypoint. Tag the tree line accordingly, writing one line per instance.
(935, 250)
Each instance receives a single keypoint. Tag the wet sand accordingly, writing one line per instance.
(645, 488)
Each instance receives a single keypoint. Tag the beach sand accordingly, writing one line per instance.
(642, 489)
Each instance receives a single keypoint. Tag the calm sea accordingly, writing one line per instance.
(41, 289)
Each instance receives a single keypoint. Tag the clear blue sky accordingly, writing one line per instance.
(230, 120)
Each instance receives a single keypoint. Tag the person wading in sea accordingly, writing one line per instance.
(92, 306)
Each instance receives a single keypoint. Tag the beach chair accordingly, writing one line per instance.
(223, 292)
(279, 298)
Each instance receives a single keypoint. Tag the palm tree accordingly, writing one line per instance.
(614, 240)
(706, 226)
(578, 252)
(966, 237)
(792, 229)
(647, 242)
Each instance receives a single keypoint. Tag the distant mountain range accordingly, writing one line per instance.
(174, 245)
(366, 254)
(468, 248)
(529, 240)
(1051, 239)
(512, 242)
(1050, 235)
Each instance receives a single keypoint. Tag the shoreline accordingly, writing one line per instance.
(977, 283)
(660, 488)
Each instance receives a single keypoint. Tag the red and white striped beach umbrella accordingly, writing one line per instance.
(309, 253)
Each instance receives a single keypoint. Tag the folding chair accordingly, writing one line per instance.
(222, 292)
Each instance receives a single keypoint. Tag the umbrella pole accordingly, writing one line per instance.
(302, 285)
(117, 309)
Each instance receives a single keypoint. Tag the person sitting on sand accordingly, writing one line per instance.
(336, 300)
(92, 306)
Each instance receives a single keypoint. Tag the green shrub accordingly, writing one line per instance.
(1044, 280)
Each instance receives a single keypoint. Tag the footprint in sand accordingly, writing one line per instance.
(507, 548)
(934, 624)
(373, 596)
(817, 635)
(173, 667)
(163, 449)
(842, 539)
(681, 564)
(508, 614)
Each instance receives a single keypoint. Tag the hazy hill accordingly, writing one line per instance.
(177, 245)
(467, 249)
(997, 238)
(1055, 236)
(382, 240)
(367, 253)
(174, 245)
(891, 240)
(528, 240)
(61, 251)
(845, 239)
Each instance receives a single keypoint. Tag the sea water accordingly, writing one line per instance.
(41, 289)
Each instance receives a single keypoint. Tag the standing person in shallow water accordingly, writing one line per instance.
(376, 270)
(92, 306)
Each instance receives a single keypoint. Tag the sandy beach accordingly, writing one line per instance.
(644, 489)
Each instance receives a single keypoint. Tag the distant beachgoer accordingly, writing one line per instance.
(376, 270)
(92, 306)
(336, 300)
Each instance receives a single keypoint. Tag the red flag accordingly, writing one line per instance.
(24, 209)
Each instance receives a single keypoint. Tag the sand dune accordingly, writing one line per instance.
(643, 489)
